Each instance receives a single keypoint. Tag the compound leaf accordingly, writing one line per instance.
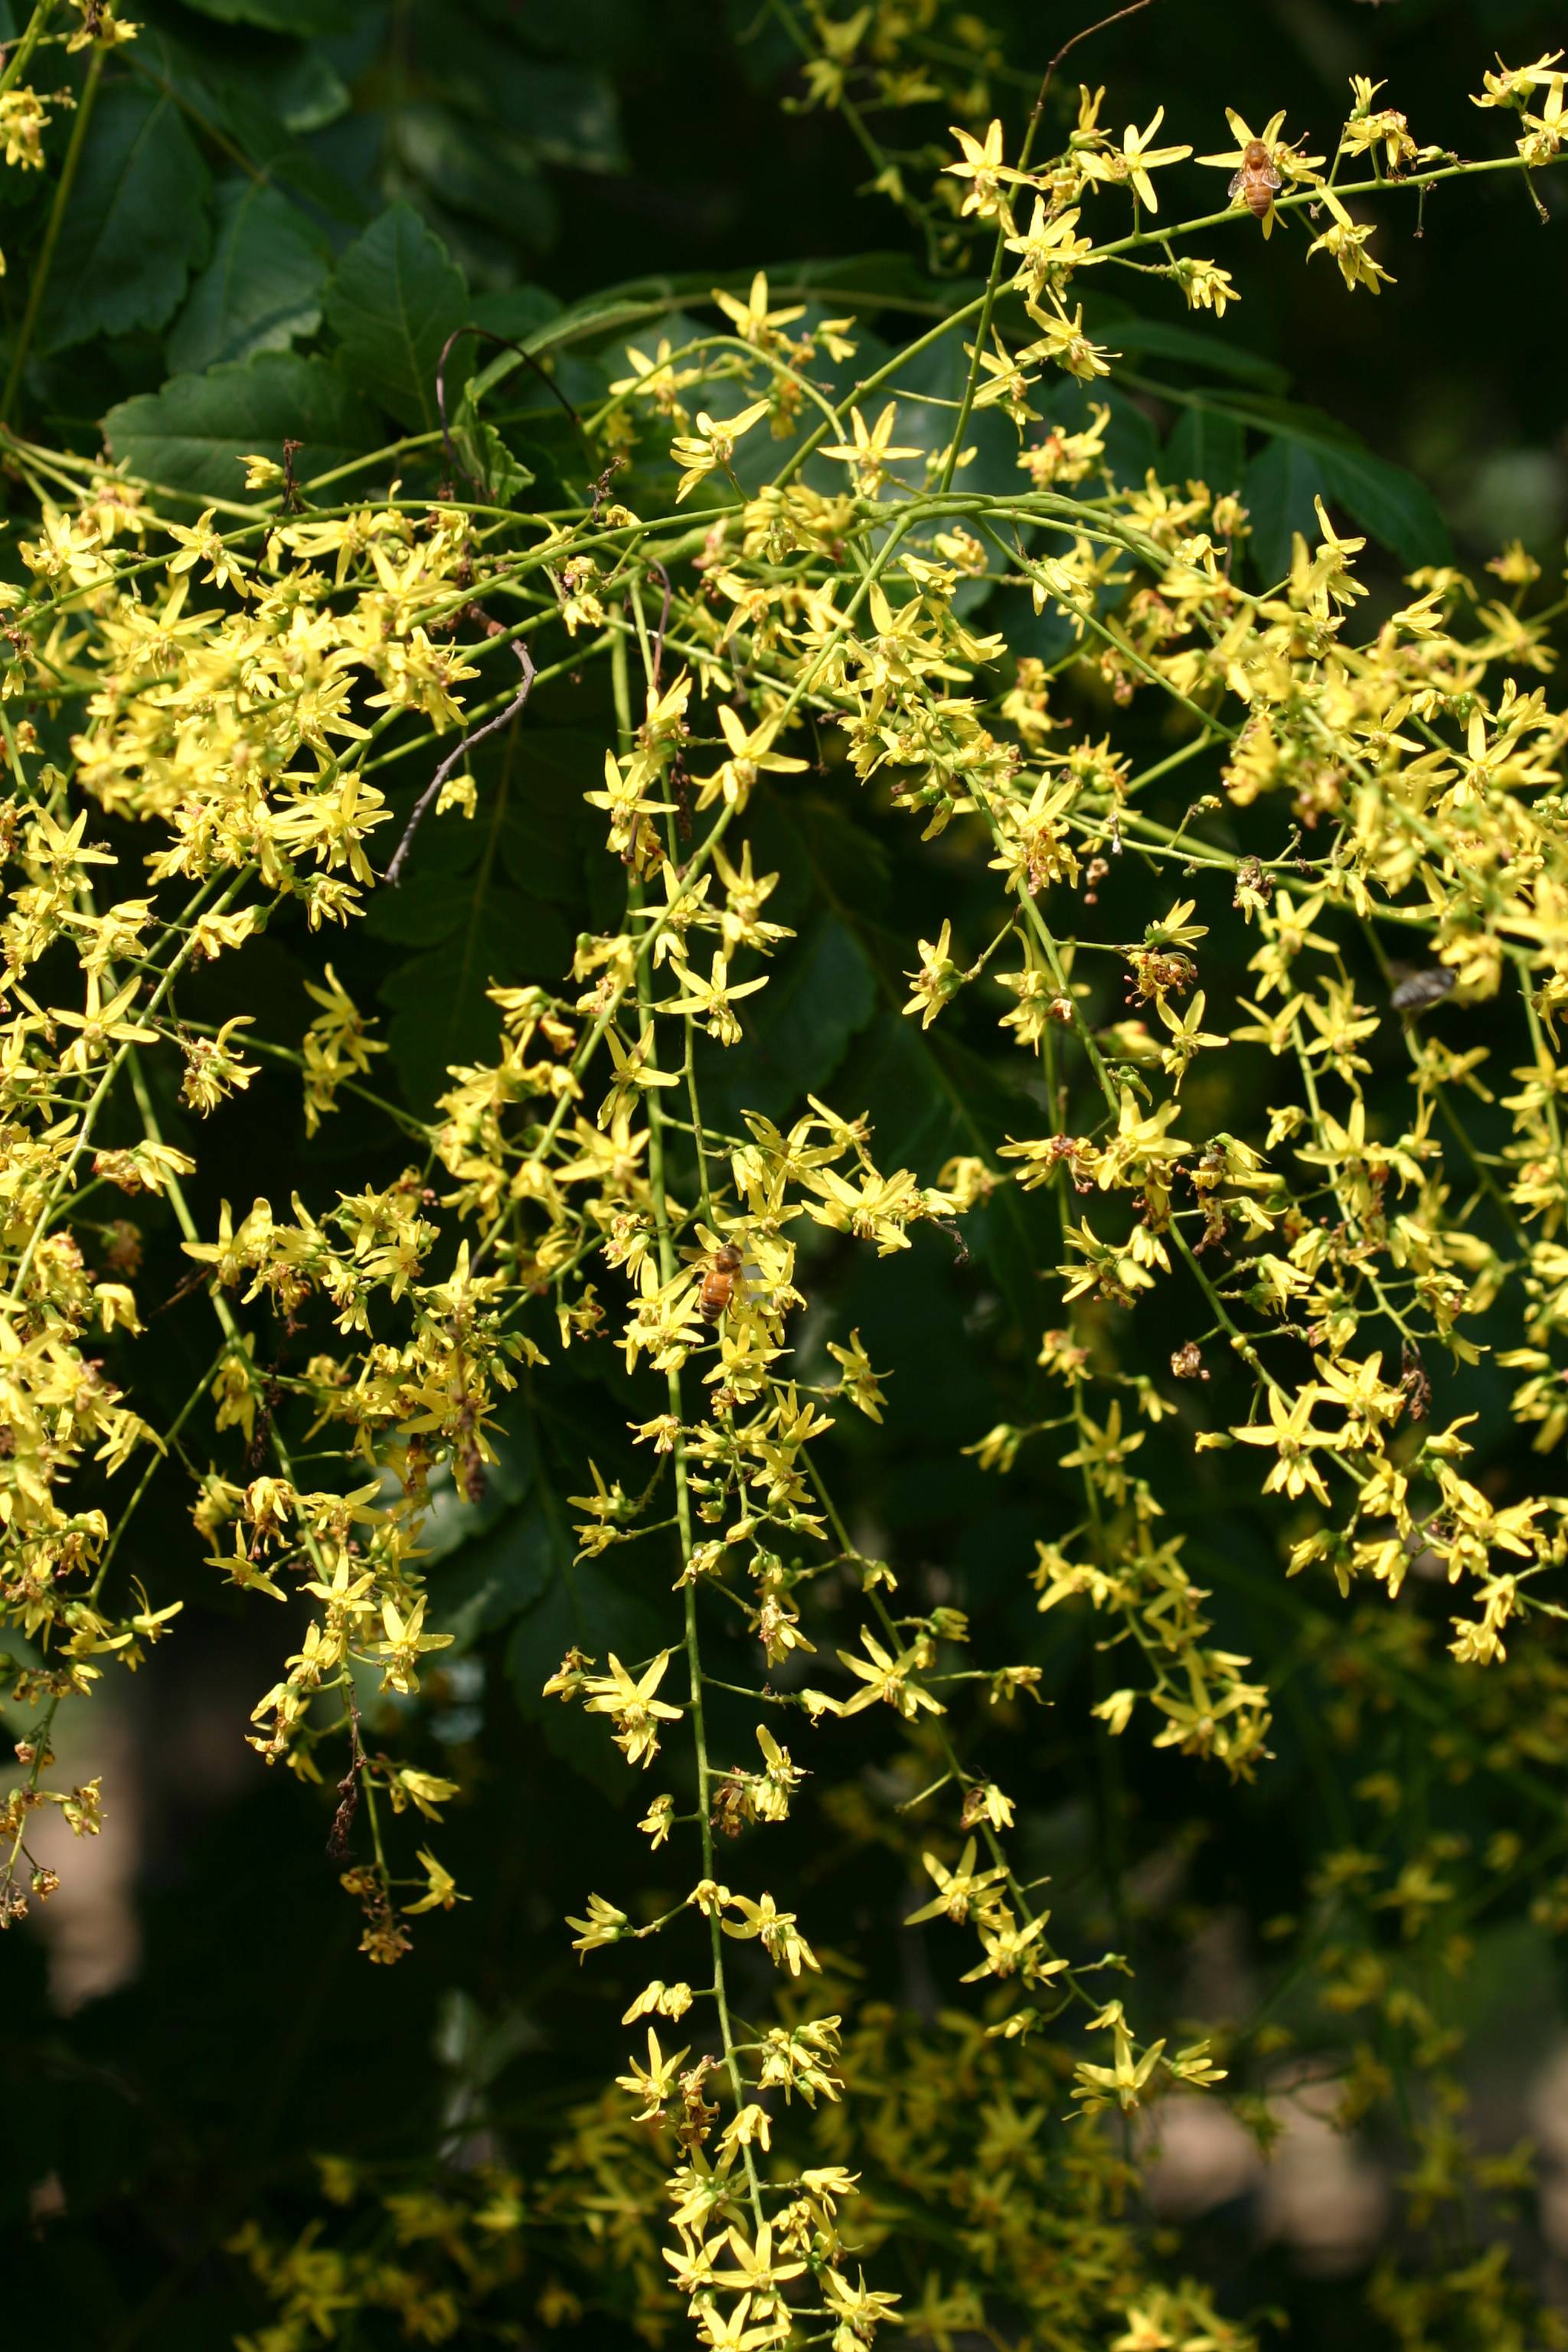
(396, 296)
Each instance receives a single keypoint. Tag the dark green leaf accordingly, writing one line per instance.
(895, 275)
(546, 828)
(801, 1022)
(515, 311)
(1209, 350)
(1131, 448)
(1208, 445)
(1280, 486)
(1390, 504)
(496, 181)
(456, 1523)
(135, 224)
(396, 296)
(566, 113)
(262, 287)
(193, 434)
(491, 1579)
(584, 1607)
(441, 1013)
(425, 909)
(269, 139)
(303, 89)
(311, 18)
(587, 322)
(822, 854)
(929, 1097)
(569, 116)
(484, 456)
(916, 1122)
(1292, 418)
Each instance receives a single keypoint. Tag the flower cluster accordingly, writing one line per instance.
(207, 723)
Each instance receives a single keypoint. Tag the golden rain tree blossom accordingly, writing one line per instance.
(610, 1218)
(713, 445)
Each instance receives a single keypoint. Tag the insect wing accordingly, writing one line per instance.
(1419, 989)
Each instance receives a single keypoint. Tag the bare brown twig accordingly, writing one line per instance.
(1038, 108)
(492, 725)
(348, 1787)
(505, 343)
(658, 649)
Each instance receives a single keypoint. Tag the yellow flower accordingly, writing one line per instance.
(712, 446)
(871, 451)
(652, 2084)
(1346, 240)
(956, 1889)
(753, 320)
(636, 1713)
(1141, 157)
(99, 1024)
(441, 1893)
(710, 999)
(1288, 1430)
(604, 1925)
(751, 755)
(938, 980)
(980, 164)
(1280, 158)
(776, 1930)
(23, 119)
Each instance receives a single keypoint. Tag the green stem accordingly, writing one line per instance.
(40, 1735)
(956, 1770)
(21, 56)
(972, 381)
(669, 1269)
(702, 855)
(40, 276)
(100, 1095)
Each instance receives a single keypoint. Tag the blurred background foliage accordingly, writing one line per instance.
(192, 2023)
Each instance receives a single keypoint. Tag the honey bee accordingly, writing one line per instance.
(1256, 180)
(718, 1282)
